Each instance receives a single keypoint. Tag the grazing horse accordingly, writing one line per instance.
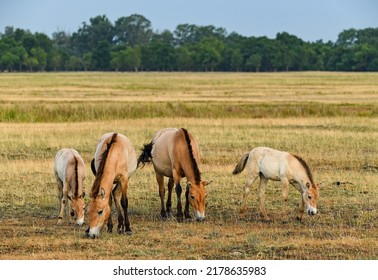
(70, 172)
(113, 164)
(275, 165)
(174, 154)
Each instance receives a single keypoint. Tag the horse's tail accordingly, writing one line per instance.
(241, 164)
(146, 156)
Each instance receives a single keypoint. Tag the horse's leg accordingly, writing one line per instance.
(285, 194)
(160, 181)
(110, 222)
(186, 212)
(247, 189)
(125, 205)
(178, 189)
(69, 211)
(262, 188)
(169, 199)
(301, 209)
(59, 184)
(117, 195)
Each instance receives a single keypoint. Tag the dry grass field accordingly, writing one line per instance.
(330, 119)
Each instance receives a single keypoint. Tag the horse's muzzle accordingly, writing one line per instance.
(86, 232)
(311, 212)
(201, 219)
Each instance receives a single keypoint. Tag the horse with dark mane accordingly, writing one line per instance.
(113, 165)
(70, 172)
(174, 154)
(275, 165)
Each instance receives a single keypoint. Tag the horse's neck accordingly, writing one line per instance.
(300, 181)
(189, 173)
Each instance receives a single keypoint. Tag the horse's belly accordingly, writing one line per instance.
(162, 167)
(271, 176)
(167, 172)
(270, 169)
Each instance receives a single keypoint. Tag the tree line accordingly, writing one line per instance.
(130, 44)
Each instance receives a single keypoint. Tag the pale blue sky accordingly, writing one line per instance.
(309, 20)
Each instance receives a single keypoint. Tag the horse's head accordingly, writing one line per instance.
(77, 208)
(99, 212)
(310, 198)
(197, 198)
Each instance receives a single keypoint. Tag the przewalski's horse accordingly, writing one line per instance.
(174, 154)
(268, 163)
(70, 172)
(113, 165)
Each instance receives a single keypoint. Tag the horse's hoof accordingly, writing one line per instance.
(163, 215)
(164, 218)
(188, 220)
(242, 214)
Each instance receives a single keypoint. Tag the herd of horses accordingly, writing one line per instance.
(174, 154)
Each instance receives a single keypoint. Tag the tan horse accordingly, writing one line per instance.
(275, 165)
(70, 172)
(114, 163)
(174, 154)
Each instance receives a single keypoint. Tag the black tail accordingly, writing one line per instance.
(146, 156)
(241, 164)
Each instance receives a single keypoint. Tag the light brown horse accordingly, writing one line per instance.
(113, 165)
(70, 172)
(275, 165)
(174, 154)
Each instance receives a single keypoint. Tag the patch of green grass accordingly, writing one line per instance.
(34, 112)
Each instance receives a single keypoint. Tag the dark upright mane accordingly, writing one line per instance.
(100, 171)
(305, 166)
(76, 193)
(197, 173)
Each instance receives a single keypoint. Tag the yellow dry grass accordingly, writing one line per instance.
(338, 149)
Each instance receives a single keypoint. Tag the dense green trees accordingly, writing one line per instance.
(130, 44)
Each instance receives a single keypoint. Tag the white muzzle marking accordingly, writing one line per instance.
(200, 217)
(94, 232)
(311, 210)
(80, 222)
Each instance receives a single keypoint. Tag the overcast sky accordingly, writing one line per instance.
(309, 20)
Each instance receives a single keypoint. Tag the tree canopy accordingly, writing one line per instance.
(130, 44)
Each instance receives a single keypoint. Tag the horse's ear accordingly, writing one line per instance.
(308, 185)
(102, 193)
(82, 195)
(206, 182)
(93, 167)
(188, 184)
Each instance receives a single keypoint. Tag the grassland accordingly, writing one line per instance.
(330, 119)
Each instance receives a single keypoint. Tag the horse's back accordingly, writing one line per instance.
(170, 150)
(270, 162)
(162, 150)
(65, 162)
(122, 143)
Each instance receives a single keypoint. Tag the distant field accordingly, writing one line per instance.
(330, 119)
(105, 96)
